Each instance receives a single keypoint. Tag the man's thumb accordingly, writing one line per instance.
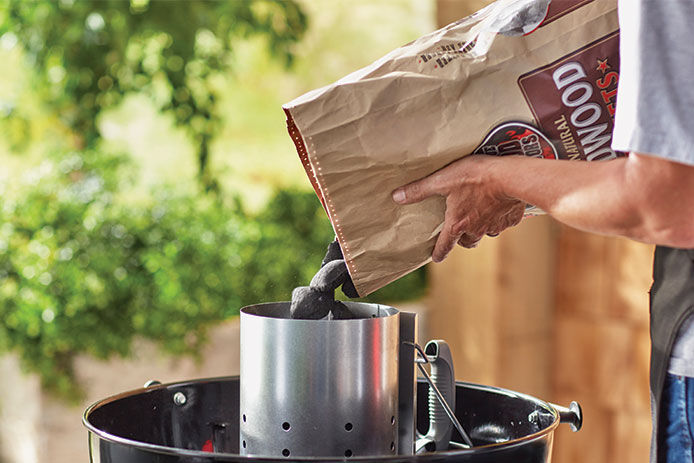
(412, 192)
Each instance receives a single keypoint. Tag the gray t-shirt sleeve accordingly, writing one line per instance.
(655, 100)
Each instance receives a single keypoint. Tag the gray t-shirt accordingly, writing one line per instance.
(655, 103)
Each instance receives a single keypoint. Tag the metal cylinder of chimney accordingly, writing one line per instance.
(319, 387)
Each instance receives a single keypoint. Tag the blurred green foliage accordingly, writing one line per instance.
(83, 272)
(89, 54)
(86, 264)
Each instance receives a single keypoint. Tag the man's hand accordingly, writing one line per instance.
(474, 206)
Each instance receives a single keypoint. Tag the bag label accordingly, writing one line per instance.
(573, 100)
(517, 138)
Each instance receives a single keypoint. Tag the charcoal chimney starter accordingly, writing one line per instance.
(319, 387)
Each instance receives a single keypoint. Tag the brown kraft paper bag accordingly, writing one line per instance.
(529, 77)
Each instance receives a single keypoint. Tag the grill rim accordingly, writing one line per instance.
(161, 449)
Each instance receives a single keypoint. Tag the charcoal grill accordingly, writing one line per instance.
(327, 391)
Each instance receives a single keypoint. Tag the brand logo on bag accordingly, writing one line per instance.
(517, 138)
(573, 100)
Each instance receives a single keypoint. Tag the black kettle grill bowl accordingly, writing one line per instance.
(197, 422)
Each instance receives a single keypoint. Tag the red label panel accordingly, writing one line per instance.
(573, 100)
(559, 8)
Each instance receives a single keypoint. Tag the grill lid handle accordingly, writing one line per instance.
(572, 415)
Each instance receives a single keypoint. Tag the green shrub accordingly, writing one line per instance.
(82, 271)
(86, 56)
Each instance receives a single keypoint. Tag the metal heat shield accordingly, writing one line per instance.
(319, 388)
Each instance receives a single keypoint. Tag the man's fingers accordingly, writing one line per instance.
(444, 245)
(416, 191)
(517, 215)
(513, 217)
(446, 241)
(468, 240)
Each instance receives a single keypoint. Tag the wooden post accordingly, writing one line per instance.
(494, 306)
(448, 11)
(601, 348)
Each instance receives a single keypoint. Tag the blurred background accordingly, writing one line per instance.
(148, 190)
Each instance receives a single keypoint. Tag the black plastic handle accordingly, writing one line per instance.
(572, 415)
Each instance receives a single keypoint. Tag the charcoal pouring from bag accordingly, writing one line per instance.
(317, 300)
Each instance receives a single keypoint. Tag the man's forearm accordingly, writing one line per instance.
(640, 197)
